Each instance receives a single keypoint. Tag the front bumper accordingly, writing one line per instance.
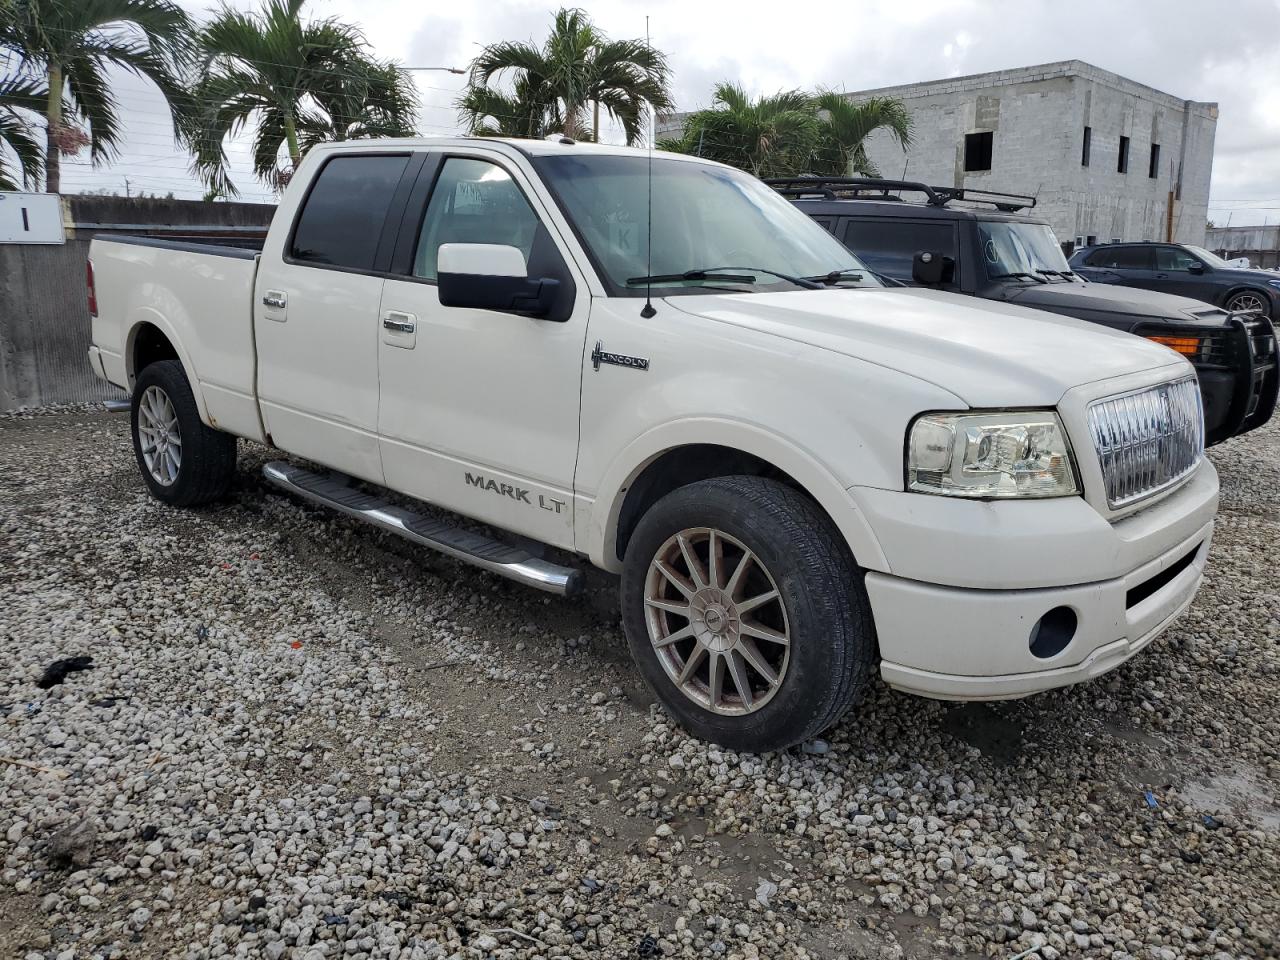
(968, 583)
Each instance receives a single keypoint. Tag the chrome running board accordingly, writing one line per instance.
(511, 562)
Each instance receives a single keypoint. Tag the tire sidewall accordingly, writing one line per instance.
(815, 623)
(168, 376)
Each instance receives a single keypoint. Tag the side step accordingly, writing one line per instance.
(474, 548)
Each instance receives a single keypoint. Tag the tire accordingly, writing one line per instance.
(202, 461)
(821, 607)
(1253, 300)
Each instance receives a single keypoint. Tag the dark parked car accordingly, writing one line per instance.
(990, 250)
(1185, 270)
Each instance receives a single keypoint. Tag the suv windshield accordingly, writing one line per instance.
(1012, 248)
(715, 222)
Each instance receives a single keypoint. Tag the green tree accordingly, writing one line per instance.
(489, 112)
(770, 136)
(21, 160)
(71, 45)
(577, 69)
(283, 75)
(845, 126)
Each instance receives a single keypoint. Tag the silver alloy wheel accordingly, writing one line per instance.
(716, 621)
(1247, 303)
(159, 436)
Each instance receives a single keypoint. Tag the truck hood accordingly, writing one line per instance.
(988, 354)
(1116, 301)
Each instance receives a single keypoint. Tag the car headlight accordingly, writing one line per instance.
(990, 455)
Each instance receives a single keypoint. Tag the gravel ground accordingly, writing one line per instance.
(302, 738)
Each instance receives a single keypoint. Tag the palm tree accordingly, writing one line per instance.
(285, 76)
(489, 112)
(71, 46)
(577, 67)
(772, 136)
(845, 126)
(18, 97)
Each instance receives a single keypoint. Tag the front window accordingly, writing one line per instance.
(1021, 250)
(706, 218)
(1212, 259)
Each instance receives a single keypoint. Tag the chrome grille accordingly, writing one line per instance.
(1147, 440)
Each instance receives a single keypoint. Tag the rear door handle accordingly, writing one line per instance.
(400, 322)
(274, 299)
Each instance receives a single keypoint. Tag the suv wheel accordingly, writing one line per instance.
(746, 614)
(183, 462)
(1247, 301)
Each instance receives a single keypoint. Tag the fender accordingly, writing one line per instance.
(147, 314)
(597, 521)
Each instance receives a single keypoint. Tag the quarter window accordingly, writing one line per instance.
(341, 220)
(888, 246)
(474, 201)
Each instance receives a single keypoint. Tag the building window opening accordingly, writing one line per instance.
(977, 151)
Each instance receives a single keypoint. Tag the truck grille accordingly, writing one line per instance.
(1147, 440)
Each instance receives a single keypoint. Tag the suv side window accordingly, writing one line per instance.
(888, 245)
(475, 201)
(1122, 258)
(342, 216)
(1171, 258)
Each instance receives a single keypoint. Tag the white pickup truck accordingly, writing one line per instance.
(799, 474)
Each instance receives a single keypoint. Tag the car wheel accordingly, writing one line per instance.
(1247, 301)
(746, 613)
(183, 462)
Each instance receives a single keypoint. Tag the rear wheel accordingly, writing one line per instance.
(746, 614)
(183, 462)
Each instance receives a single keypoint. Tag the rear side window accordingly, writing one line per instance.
(1131, 258)
(888, 246)
(341, 220)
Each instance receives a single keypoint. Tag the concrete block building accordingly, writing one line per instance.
(1260, 244)
(1103, 155)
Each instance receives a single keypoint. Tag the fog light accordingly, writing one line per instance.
(1052, 632)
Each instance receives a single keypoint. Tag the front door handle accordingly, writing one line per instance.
(400, 322)
(275, 299)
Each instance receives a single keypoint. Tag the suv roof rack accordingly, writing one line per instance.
(857, 188)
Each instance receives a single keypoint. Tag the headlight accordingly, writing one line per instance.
(990, 455)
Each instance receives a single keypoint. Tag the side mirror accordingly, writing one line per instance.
(491, 276)
(1196, 267)
(931, 268)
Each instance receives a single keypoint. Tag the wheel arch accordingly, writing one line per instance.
(1246, 287)
(151, 339)
(672, 457)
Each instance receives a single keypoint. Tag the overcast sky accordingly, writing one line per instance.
(1230, 55)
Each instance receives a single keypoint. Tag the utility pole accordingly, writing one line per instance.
(595, 121)
(127, 192)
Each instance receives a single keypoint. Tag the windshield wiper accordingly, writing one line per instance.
(1018, 274)
(835, 276)
(1065, 274)
(714, 273)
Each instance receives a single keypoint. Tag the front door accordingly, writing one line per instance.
(478, 411)
(316, 316)
(1174, 274)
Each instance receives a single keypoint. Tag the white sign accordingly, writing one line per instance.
(30, 218)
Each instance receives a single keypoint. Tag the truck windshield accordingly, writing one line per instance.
(713, 223)
(1023, 250)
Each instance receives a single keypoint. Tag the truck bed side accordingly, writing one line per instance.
(189, 300)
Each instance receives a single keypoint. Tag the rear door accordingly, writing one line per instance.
(1129, 266)
(888, 244)
(316, 313)
(479, 408)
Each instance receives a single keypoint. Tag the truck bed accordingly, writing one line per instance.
(199, 294)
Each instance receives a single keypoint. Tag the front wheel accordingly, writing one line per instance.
(746, 613)
(1247, 301)
(183, 462)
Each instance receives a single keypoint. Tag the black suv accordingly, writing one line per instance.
(1185, 270)
(988, 249)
